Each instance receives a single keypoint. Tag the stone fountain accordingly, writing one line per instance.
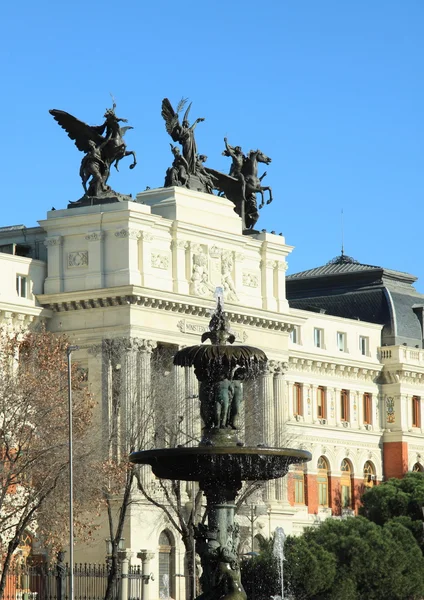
(220, 463)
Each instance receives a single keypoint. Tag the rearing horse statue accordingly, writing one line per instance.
(103, 145)
(243, 187)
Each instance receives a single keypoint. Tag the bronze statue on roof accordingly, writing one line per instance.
(103, 146)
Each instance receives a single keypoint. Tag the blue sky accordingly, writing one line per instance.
(333, 91)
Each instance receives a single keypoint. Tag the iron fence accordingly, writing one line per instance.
(51, 582)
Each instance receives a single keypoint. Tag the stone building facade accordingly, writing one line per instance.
(341, 384)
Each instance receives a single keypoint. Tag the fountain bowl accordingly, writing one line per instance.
(219, 463)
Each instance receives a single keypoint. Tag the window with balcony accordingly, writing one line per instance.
(341, 341)
(297, 399)
(416, 411)
(367, 408)
(321, 403)
(318, 337)
(344, 405)
(21, 285)
(364, 345)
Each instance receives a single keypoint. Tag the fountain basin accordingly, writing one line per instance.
(208, 463)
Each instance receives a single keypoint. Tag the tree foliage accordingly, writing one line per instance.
(34, 439)
(352, 558)
(397, 499)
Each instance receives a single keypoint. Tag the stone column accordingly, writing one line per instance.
(178, 382)
(54, 282)
(145, 556)
(124, 557)
(146, 409)
(130, 394)
(280, 417)
(95, 277)
(290, 401)
(268, 420)
(194, 425)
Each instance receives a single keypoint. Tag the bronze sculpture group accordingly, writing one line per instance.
(104, 146)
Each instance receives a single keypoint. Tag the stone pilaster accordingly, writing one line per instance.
(54, 282)
(280, 276)
(127, 257)
(95, 277)
(180, 266)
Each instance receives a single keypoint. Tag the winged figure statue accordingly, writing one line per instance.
(183, 132)
(103, 146)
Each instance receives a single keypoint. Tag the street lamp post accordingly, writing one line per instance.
(69, 351)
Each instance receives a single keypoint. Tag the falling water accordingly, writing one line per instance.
(164, 594)
(278, 552)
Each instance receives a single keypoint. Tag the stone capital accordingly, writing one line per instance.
(132, 234)
(146, 555)
(124, 555)
(56, 240)
(95, 236)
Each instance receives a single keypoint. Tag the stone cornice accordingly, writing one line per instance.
(329, 367)
(129, 295)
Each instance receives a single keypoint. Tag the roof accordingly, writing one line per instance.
(344, 287)
(344, 264)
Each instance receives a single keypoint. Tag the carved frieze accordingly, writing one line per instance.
(250, 279)
(159, 260)
(78, 258)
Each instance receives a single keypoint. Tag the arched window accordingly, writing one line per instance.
(322, 480)
(369, 474)
(346, 484)
(166, 565)
(418, 468)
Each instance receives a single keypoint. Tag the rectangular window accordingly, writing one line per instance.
(322, 491)
(363, 345)
(297, 399)
(367, 408)
(299, 492)
(344, 405)
(321, 408)
(21, 286)
(341, 341)
(295, 335)
(345, 496)
(416, 411)
(318, 337)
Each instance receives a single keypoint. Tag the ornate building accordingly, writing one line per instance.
(346, 359)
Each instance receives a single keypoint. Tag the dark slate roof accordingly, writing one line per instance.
(346, 288)
(346, 264)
